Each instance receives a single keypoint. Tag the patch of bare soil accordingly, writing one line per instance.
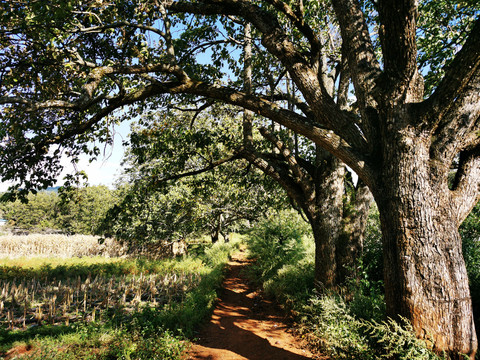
(18, 352)
(245, 326)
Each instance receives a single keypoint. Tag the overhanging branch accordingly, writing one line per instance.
(235, 156)
(459, 74)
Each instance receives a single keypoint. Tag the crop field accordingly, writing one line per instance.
(63, 246)
(52, 301)
(113, 299)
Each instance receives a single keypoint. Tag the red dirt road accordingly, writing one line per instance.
(243, 326)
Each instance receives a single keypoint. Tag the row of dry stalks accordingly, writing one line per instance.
(40, 301)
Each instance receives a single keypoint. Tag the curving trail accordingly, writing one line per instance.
(243, 326)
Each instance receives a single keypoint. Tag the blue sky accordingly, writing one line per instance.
(106, 169)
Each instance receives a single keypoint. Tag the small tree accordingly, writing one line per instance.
(178, 188)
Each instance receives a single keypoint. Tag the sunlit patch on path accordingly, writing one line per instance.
(243, 326)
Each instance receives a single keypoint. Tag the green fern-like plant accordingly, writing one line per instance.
(397, 340)
(342, 335)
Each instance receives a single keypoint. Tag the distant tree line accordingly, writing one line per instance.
(75, 211)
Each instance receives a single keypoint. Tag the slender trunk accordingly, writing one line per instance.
(217, 229)
(247, 86)
(425, 275)
(226, 236)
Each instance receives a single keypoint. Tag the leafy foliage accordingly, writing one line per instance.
(442, 29)
(74, 210)
(177, 188)
(276, 241)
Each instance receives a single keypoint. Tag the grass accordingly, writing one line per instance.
(100, 308)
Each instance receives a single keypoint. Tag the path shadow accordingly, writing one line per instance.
(244, 325)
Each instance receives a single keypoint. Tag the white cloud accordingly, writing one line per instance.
(103, 171)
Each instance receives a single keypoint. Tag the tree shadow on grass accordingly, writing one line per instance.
(8, 337)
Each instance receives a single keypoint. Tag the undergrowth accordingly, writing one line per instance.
(354, 329)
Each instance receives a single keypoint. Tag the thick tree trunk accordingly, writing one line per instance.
(350, 242)
(325, 217)
(425, 275)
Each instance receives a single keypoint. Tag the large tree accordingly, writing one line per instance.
(69, 67)
(313, 178)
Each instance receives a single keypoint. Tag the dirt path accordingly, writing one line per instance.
(245, 327)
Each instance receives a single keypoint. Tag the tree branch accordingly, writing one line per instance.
(466, 191)
(458, 129)
(299, 174)
(299, 22)
(235, 156)
(363, 65)
(277, 174)
(120, 24)
(327, 139)
(398, 38)
(278, 44)
(459, 74)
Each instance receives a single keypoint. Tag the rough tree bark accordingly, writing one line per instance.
(425, 275)
(325, 214)
(351, 238)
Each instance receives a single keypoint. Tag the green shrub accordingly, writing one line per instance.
(293, 283)
(396, 340)
(336, 332)
(275, 242)
(372, 257)
(341, 335)
(367, 300)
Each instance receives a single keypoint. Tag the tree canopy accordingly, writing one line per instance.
(71, 69)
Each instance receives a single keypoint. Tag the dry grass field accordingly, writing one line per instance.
(53, 301)
(63, 246)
